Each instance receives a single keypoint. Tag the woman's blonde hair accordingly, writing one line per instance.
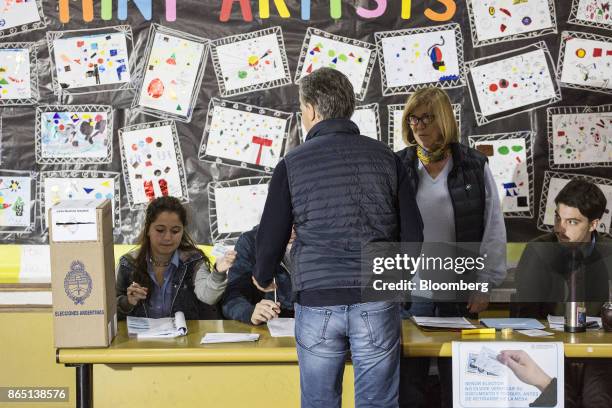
(439, 105)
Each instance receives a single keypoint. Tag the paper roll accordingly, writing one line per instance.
(180, 323)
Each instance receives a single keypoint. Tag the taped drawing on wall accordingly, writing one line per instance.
(74, 134)
(506, 84)
(554, 182)
(90, 61)
(249, 62)
(591, 13)
(495, 21)
(396, 141)
(585, 62)
(64, 185)
(17, 201)
(511, 162)
(366, 117)
(172, 74)
(19, 16)
(580, 136)
(245, 197)
(420, 57)
(152, 163)
(244, 135)
(353, 58)
(18, 74)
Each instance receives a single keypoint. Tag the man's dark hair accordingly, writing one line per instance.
(330, 92)
(585, 196)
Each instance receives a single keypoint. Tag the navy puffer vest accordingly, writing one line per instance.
(466, 186)
(344, 194)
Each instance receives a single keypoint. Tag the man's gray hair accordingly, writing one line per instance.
(330, 92)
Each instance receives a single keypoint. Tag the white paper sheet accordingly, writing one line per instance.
(213, 338)
(282, 327)
(444, 322)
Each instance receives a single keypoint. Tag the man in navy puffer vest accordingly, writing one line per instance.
(341, 190)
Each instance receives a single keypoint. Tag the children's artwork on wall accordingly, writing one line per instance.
(172, 74)
(495, 21)
(152, 163)
(91, 61)
(74, 134)
(591, 13)
(366, 117)
(18, 74)
(511, 162)
(396, 141)
(554, 182)
(580, 137)
(420, 57)
(250, 62)
(353, 58)
(17, 201)
(19, 16)
(585, 62)
(247, 136)
(1, 151)
(64, 185)
(512, 82)
(236, 206)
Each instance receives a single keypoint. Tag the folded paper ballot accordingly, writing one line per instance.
(282, 327)
(167, 327)
(212, 338)
(443, 322)
(513, 323)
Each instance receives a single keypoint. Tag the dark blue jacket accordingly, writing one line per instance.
(241, 295)
(185, 299)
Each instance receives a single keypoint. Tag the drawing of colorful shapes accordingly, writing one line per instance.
(15, 74)
(499, 19)
(586, 61)
(413, 58)
(15, 201)
(251, 61)
(92, 60)
(17, 13)
(508, 164)
(582, 138)
(596, 11)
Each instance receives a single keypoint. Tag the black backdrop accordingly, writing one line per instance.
(201, 18)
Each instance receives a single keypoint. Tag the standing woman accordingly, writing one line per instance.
(458, 200)
(167, 272)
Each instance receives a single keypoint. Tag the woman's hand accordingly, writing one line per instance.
(136, 293)
(222, 265)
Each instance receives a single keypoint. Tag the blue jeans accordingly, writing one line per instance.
(325, 335)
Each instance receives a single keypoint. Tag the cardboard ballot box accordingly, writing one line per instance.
(82, 273)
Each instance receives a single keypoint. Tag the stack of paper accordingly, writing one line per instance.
(168, 327)
(211, 338)
(443, 322)
(557, 322)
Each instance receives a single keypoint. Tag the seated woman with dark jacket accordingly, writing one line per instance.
(167, 272)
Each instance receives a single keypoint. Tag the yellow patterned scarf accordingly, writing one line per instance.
(427, 157)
